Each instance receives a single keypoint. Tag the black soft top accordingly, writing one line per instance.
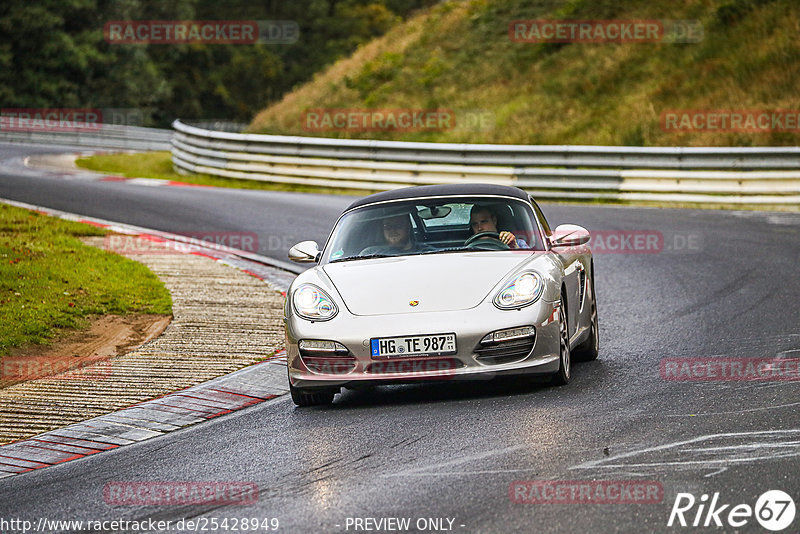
(441, 190)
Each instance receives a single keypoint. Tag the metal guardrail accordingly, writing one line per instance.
(758, 175)
(111, 136)
(218, 125)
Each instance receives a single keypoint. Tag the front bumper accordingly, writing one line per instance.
(329, 371)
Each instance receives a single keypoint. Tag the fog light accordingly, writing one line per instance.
(509, 334)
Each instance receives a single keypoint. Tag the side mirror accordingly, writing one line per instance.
(570, 235)
(304, 252)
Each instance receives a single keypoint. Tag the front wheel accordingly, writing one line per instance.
(561, 377)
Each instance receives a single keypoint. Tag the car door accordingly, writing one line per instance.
(571, 258)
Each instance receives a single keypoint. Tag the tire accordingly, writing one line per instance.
(590, 349)
(562, 376)
(318, 398)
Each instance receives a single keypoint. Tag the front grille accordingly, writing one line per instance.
(504, 351)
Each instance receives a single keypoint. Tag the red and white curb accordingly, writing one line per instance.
(93, 176)
(249, 386)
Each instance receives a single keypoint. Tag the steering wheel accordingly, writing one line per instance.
(486, 241)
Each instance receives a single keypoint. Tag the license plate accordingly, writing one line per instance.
(404, 346)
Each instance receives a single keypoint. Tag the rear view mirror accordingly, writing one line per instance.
(434, 212)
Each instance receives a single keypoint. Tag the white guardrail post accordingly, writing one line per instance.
(751, 175)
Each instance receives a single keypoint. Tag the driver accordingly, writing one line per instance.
(482, 219)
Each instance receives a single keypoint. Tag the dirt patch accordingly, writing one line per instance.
(75, 356)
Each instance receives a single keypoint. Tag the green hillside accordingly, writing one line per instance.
(458, 56)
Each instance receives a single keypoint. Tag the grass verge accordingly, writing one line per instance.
(50, 282)
(458, 56)
(159, 165)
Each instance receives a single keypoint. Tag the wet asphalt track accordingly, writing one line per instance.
(726, 284)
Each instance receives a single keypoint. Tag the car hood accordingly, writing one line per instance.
(438, 282)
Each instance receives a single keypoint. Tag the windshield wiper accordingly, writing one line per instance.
(362, 257)
(445, 250)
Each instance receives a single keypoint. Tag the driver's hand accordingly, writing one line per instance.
(509, 239)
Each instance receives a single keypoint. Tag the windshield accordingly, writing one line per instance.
(433, 226)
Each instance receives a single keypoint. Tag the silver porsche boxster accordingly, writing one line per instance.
(442, 282)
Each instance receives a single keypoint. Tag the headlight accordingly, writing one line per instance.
(525, 289)
(312, 303)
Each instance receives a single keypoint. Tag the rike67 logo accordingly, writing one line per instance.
(774, 510)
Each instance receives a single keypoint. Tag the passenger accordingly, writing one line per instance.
(399, 236)
(482, 219)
